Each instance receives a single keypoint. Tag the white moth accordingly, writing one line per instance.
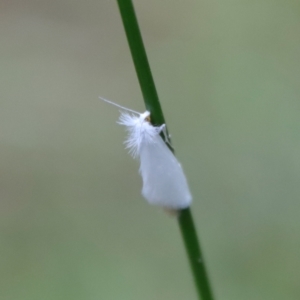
(164, 182)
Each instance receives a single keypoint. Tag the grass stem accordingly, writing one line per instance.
(142, 67)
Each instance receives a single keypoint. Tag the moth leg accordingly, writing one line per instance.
(163, 129)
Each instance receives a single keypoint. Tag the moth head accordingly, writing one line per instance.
(145, 116)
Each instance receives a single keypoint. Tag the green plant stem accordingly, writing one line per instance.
(192, 246)
(140, 60)
(151, 100)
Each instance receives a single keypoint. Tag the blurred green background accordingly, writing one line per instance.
(73, 224)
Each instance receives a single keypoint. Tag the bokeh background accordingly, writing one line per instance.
(73, 224)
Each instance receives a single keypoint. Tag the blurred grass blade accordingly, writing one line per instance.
(152, 104)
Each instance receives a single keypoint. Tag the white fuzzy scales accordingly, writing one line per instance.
(164, 182)
(139, 131)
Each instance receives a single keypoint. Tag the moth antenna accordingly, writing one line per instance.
(117, 105)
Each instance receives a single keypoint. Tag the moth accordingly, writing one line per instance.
(164, 182)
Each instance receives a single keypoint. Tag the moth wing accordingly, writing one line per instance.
(164, 182)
